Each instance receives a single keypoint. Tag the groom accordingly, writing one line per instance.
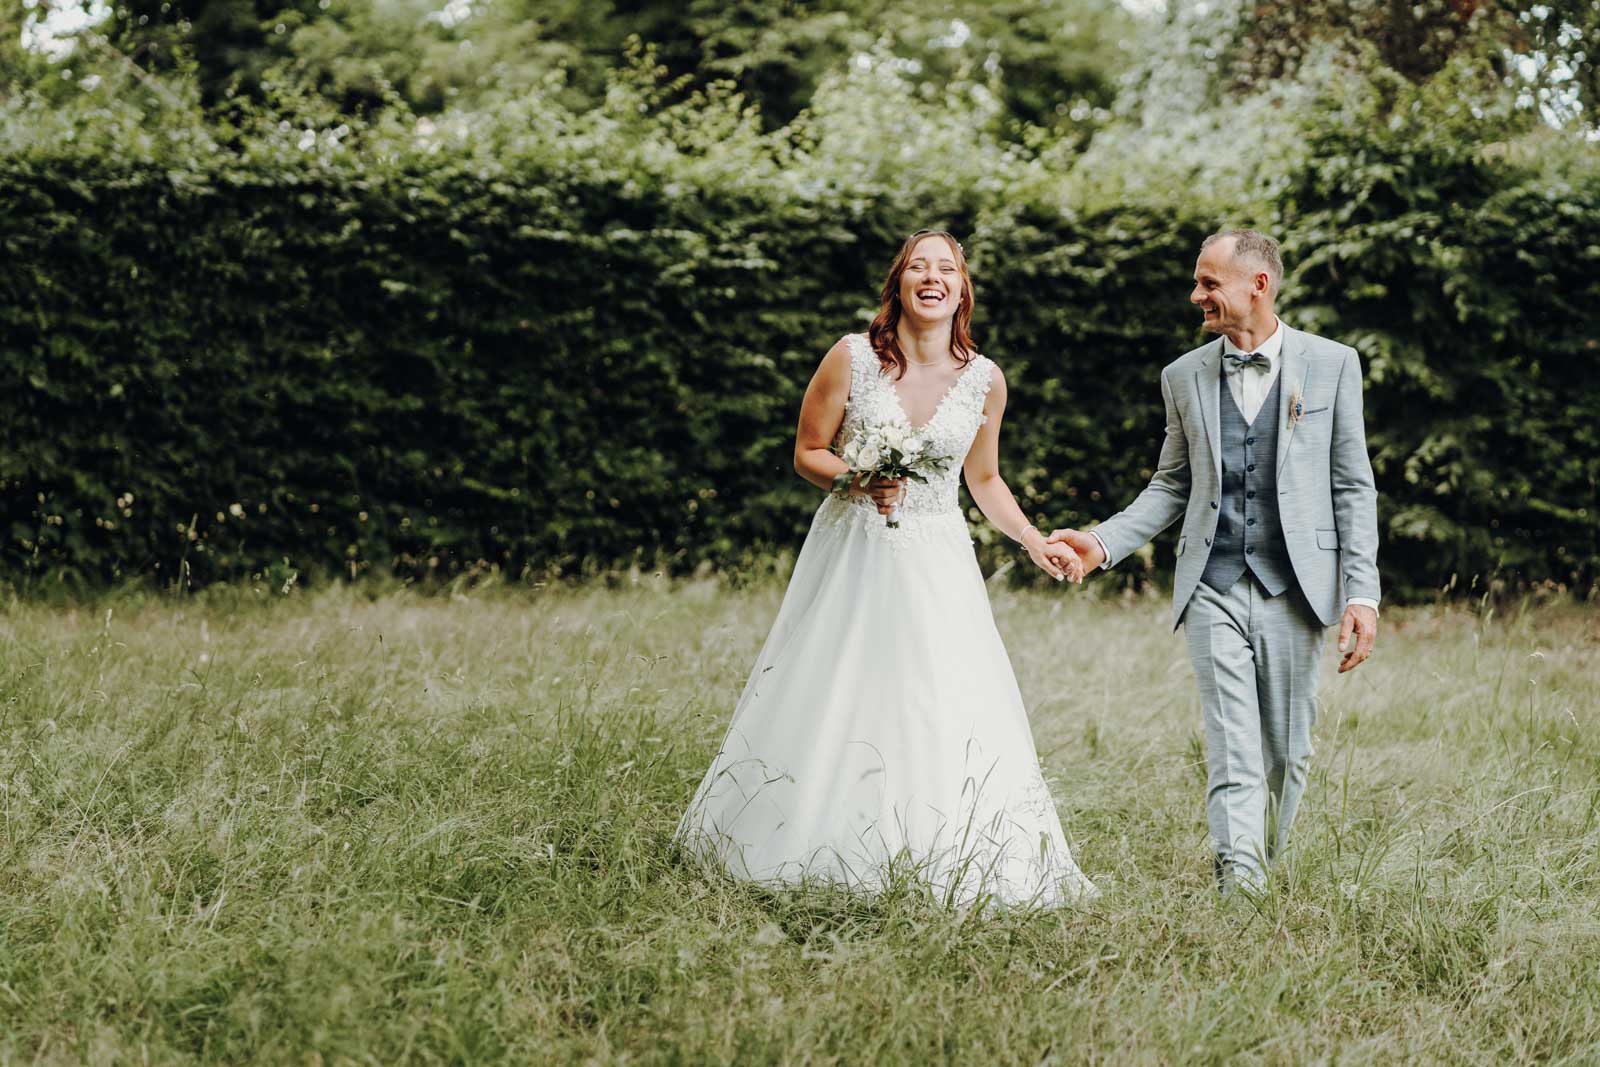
(1265, 458)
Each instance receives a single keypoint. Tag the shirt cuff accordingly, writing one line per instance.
(1105, 564)
(1366, 602)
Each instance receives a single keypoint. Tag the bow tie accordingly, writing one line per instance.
(1234, 362)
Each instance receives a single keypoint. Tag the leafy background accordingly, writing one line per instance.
(534, 288)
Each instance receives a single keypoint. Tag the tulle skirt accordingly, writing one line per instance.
(881, 734)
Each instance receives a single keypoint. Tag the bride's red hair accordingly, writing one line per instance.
(883, 332)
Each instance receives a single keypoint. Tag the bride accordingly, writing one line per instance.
(881, 735)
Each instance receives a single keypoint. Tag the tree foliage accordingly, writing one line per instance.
(1042, 60)
(315, 325)
(1548, 50)
(549, 341)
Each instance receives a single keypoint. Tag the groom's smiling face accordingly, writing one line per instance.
(1227, 292)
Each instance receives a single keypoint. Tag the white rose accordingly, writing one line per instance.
(894, 436)
(869, 456)
(852, 450)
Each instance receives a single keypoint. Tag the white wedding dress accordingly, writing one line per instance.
(881, 733)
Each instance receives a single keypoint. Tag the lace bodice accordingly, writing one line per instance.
(950, 432)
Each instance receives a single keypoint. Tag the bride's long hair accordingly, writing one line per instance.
(883, 332)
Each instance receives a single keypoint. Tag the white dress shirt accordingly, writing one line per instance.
(1250, 386)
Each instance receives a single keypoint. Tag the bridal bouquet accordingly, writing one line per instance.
(888, 451)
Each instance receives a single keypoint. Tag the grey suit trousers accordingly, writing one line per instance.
(1256, 659)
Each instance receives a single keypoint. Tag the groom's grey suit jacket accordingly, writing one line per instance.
(1326, 499)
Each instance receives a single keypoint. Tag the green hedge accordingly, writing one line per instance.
(431, 368)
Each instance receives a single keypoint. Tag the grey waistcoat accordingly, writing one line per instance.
(1249, 534)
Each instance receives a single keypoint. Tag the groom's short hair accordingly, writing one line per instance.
(1252, 245)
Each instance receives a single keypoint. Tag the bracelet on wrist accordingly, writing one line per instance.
(1022, 533)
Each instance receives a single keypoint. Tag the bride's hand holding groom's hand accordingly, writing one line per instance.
(1086, 546)
(1057, 560)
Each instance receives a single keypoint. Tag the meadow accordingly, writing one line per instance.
(358, 825)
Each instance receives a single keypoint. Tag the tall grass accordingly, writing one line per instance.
(363, 826)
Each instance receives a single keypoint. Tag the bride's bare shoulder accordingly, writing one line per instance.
(839, 355)
(997, 377)
(833, 373)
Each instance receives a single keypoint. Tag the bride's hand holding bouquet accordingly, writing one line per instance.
(881, 462)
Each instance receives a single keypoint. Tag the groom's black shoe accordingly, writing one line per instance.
(1228, 881)
(1223, 869)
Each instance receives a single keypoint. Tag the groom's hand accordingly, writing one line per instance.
(1360, 628)
(1087, 548)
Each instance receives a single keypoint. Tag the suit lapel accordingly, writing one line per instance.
(1207, 383)
(1291, 385)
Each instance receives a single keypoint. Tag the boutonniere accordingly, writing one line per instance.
(1297, 408)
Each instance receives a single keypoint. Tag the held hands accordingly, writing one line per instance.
(1057, 560)
(1087, 547)
(1361, 624)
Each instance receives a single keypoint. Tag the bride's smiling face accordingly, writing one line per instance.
(931, 289)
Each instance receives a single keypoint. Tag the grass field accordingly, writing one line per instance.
(372, 827)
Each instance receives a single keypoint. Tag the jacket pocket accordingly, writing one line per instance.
(1307, 412)
(1328, 539)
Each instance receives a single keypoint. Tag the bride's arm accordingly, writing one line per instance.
(993, 497)
(821, 415)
